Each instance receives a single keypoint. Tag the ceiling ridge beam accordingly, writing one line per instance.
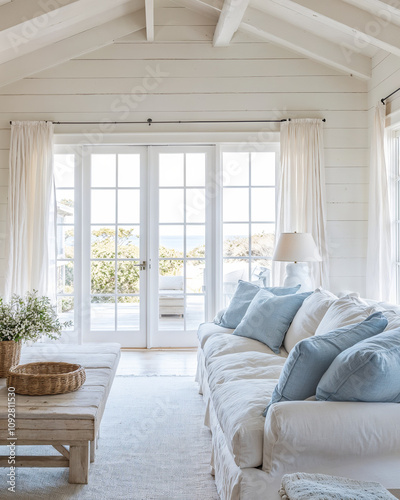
(229, 21)
(149, 8)
(362, 25)
(74, 46)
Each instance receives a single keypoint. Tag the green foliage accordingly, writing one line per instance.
(29, 318)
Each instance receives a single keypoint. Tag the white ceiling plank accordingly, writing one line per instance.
(69, 48)
(376, 7)
(229, 21)
(149, 8)
(67, 21)
(279, 32)
(365, 27)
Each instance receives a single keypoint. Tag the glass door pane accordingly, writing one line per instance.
(115, 251)
(179, 276)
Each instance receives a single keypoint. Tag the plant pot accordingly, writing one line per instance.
(10, 354)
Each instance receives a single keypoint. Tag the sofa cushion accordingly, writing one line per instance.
(221, 344)
(368, 371)
(269, 316)
(310, 358)
(244, 294)
(205, 331)
(238, 406)
(308, 317)
(345, 311)
(244, 365)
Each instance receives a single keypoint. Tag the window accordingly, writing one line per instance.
(153, 240)
(396, 176)
(248, 217)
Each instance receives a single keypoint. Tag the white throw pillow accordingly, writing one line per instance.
(343, 312)
(308, 317)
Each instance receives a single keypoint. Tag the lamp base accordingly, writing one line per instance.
(298, 273)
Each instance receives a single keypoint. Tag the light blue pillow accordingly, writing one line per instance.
(368, 371)
(269, 316)
(311, 357)
(244, 294)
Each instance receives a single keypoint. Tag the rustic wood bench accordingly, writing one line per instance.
(63, 420)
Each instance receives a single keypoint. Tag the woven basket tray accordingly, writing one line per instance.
(39, 379)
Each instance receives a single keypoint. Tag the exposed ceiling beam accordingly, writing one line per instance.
(149, 7)
(69, 48)
(2, 2)
(229, 21)
(45, 29)
(365, 27)
(376, 7)
(293, 38)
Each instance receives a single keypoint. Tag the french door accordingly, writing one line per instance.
(153, 239)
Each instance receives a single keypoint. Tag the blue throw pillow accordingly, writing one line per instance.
(269, 316)
(244, 294)
(311, 357)
(368, 371)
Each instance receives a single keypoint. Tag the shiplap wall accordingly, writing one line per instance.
(248, 80)
(385, 79)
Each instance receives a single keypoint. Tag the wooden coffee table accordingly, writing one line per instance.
(68, 422)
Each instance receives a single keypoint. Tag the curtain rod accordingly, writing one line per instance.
(390, 95)
(149, 122)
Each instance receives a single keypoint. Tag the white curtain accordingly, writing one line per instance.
(31, 214)
(301, 197)
(379, 252)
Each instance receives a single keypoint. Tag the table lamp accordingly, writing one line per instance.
(297, 248)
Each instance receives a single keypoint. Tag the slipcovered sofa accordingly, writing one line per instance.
(251, 453)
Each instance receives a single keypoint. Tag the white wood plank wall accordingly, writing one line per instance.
(247, 80)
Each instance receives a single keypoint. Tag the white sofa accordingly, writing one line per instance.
(251, 453)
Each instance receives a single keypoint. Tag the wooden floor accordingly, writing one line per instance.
(158, 362)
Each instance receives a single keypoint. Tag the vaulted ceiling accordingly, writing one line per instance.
(343, 34)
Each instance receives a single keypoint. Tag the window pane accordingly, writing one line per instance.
(195, 205)
(171, 205)
(103, 170)
(102, 313)
(262, 240)
(65, 242)
(171, 295)
(171, 169)
(129, 170)
(65, 310)
(65, 206)
(171, 241)
(128, 276)
(195, 169)
(128, 313)
(103, 277)
(128, 242)
(263, 204)
(195, 278)
(233, 271)
(235, 169)
(194, 311)
(263, 169)
(64, 170)
(65, 277)
(103, 206)
(129, 206)
(195, 241)
(236, 240)
(236, 205)
(103, 242)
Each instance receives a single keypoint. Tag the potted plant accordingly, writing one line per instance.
(24, 319)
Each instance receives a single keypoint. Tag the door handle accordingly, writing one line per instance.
(141, 265)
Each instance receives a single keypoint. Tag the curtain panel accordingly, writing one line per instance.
(301, 195)
(31, 245)
(379, 250)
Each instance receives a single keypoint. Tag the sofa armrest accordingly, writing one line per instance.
(299, 431)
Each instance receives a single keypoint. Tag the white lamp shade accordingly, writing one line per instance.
(296, 247)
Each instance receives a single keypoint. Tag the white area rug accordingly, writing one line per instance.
(153, 445)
